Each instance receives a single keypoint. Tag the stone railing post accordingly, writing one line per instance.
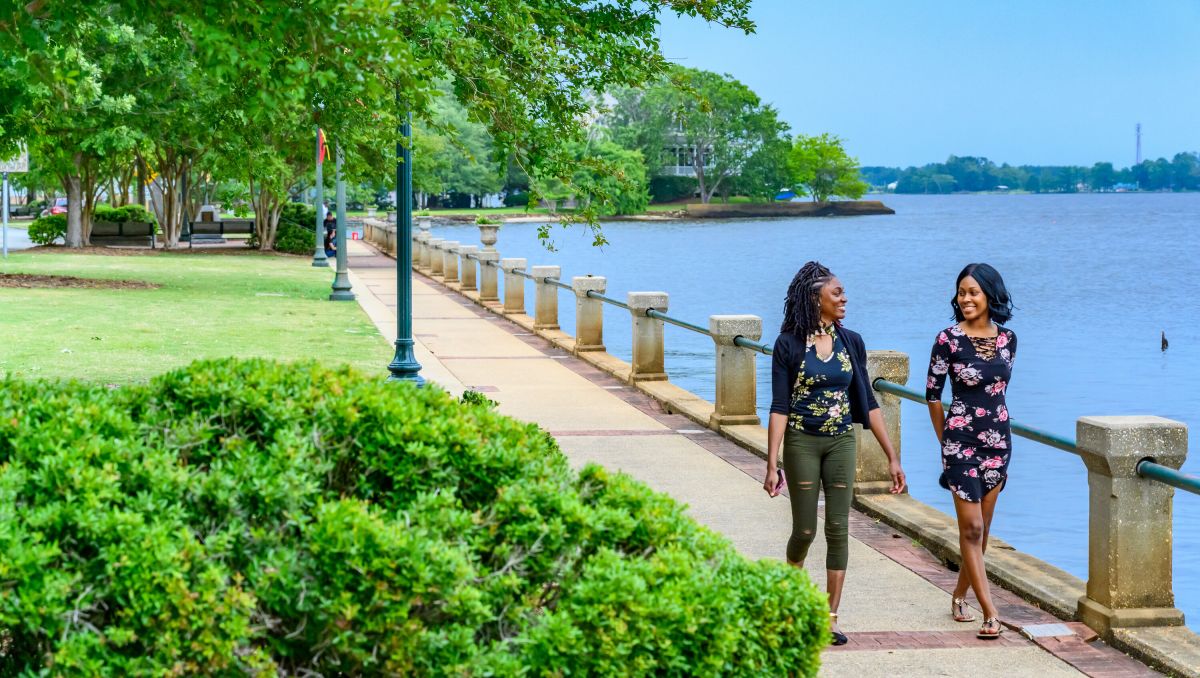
(466, 269)
(436, 262)
(872, 475)
(735, 370)
(450, 261)
(648, 363)
(489, 287)
(421, 252)
(514, 286)
(589, 313)
(545, 297)
(1129, 521)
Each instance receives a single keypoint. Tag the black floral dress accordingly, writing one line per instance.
(977, 438)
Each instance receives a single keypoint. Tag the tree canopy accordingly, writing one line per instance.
(821, 167)
(193, 79)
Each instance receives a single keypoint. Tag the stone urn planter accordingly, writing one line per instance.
(424, 222)
(371, 212)
(487, 236)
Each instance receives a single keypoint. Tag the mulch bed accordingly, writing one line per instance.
(221, 249)
(30, 281)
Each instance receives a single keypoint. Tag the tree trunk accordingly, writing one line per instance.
(74, 237)
(698, 165)
(171, 168)
(140, 192)
(267, 208)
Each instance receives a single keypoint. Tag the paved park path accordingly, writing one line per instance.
(896, 604)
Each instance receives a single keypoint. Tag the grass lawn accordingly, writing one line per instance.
(207, 306)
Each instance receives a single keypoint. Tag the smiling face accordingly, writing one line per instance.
(972, 302)
(832, 299)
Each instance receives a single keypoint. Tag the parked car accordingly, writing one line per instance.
(59, 207)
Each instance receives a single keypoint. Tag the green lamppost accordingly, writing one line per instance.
(319, 258)
(341, 279)
(404, 366)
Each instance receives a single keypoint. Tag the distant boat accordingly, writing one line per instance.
(786, 195)
(1164, 340)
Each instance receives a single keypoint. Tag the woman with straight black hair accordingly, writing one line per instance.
(820, 389)
(977, 354)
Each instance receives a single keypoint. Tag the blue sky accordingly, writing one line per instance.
(1024, 82)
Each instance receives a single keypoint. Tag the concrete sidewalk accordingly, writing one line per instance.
(895, 607)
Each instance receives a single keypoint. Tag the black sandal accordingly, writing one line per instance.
(839, 638)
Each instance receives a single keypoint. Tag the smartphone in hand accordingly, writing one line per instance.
(780, 484)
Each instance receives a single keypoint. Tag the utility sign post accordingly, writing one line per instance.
(20, 163)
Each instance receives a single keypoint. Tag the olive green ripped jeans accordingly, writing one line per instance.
(811, 462)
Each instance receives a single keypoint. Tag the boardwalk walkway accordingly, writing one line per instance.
(896, 604)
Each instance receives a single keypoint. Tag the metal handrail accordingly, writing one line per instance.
(593, 294)
(558, 283)
(659, 315)
(521, 272)
(1168, 476)
(1146, 469)
(752, 345)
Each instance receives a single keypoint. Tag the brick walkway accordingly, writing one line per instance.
(894, 637)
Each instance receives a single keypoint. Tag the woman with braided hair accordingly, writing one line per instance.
(820, 389)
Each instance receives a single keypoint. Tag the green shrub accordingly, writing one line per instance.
(518, 199)
(121, 215)
(483, 220)
(300, 214)
(670, 189)
(248, 516)
(45, 230)
(294, 239)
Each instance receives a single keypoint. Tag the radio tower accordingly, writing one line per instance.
(1139, 144)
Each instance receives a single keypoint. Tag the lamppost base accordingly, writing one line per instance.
(321, 261)
(342, 288)
(404, 366)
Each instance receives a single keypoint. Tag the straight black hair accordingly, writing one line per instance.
(1000, 306)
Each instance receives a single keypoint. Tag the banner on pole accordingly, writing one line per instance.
(18, 163)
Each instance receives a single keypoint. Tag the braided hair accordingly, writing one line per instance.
(802, 307)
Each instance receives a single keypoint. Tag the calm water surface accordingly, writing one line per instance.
(1095, 277)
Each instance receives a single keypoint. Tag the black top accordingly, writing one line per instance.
(787, 357)
(820, 398)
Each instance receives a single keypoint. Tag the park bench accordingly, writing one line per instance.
(123, 233)
(215, 231)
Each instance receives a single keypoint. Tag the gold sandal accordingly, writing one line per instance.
(959, 610)
(990, 630)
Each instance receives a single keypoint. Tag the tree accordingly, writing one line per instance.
(720, 119)
(766, 172)
(821, 166)
(1102, 176)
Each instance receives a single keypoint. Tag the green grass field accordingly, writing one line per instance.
(207, 306)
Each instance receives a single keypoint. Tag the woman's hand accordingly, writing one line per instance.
(898, 480)
(771, 481)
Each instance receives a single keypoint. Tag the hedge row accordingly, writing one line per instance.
(247, 516)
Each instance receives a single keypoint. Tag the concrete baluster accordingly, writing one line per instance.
(648, 363)
(589, 313)
(1129, 521)
(421, 252)
(466, 269)
(436, 262)
(450, 261)
(545, 298)
(489, 287)
(735, 370)
(514, 286)
(872, 475)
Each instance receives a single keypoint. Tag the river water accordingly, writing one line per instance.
(1095, 278)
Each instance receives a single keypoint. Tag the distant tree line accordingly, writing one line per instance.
(968, 173)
